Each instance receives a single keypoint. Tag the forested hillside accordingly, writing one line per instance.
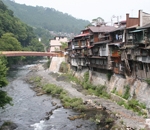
(47, 18)
(16, 35)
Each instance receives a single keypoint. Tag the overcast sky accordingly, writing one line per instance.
(90, 9)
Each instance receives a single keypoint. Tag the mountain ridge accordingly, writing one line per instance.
(47, 18)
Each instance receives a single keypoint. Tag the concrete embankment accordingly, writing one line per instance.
(55, 63)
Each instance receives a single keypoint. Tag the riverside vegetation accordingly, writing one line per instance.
(101, 91)
(101, 118)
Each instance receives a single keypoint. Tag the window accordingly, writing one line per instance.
(105, 62)
(93, 61)
(104, 47)
(101, 62)
(97, 61)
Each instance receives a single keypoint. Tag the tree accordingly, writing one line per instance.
(4, 98)
(8, 42)
(98, 21)
(63, 45)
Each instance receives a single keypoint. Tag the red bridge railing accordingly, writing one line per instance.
(27, 53)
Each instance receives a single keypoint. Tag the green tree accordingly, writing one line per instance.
(8, 42)
(4, 98)
(98, 21)
(63, 45)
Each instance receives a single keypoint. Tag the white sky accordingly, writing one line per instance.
(90, 9)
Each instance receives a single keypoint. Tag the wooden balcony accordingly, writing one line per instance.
(99, 66)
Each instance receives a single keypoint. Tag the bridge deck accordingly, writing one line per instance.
(26, 53)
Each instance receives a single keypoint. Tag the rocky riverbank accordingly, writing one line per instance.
(124, 119)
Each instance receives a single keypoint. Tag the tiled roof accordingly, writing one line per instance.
(120, 28)
(81, 35)
(101, 28)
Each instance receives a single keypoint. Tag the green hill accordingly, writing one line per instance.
(16, 35)
(47, 18)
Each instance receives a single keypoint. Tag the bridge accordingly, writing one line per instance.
(26, 53)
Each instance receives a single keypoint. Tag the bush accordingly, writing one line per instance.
(148, 81)
(86, 76)
(52, 89)
(114, 90)
(109, 75)
(127, 92)
(63, 67)
(121, 102)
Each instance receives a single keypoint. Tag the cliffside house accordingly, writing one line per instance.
(123, 48)
(134, 49)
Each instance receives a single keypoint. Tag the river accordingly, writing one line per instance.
(29, 111)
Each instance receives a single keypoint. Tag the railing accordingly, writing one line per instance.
(99, 66)
(27, 53)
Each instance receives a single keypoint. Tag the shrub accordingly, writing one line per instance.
(127, 92)
(114, 90)
(148, 81)
(100, 89)
(52, 89)
(63, 67)
(109, 75)
(86, 76)
(121, 102)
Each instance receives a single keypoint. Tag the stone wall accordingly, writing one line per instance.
(55, 63)
(140, 88)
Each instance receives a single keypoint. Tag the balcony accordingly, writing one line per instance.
(98, 66)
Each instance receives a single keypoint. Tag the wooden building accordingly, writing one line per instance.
(123, 49)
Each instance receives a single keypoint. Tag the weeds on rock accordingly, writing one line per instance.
(148, 81)
(74, 103)
(109, 75)
(63, 67)
(127, 92)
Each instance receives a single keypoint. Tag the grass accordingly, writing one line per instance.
(100, 91)
(148, 81)
(133, 105)
(57, 91)
(68, 102)
(126, 95)
(63, 67)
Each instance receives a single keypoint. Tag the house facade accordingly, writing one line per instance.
(56, 44)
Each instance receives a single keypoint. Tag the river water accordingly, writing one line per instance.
(29, 111)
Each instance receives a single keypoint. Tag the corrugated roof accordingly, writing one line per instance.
(120, 28)
(134, 26)
(145, 26)
(138, 30)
